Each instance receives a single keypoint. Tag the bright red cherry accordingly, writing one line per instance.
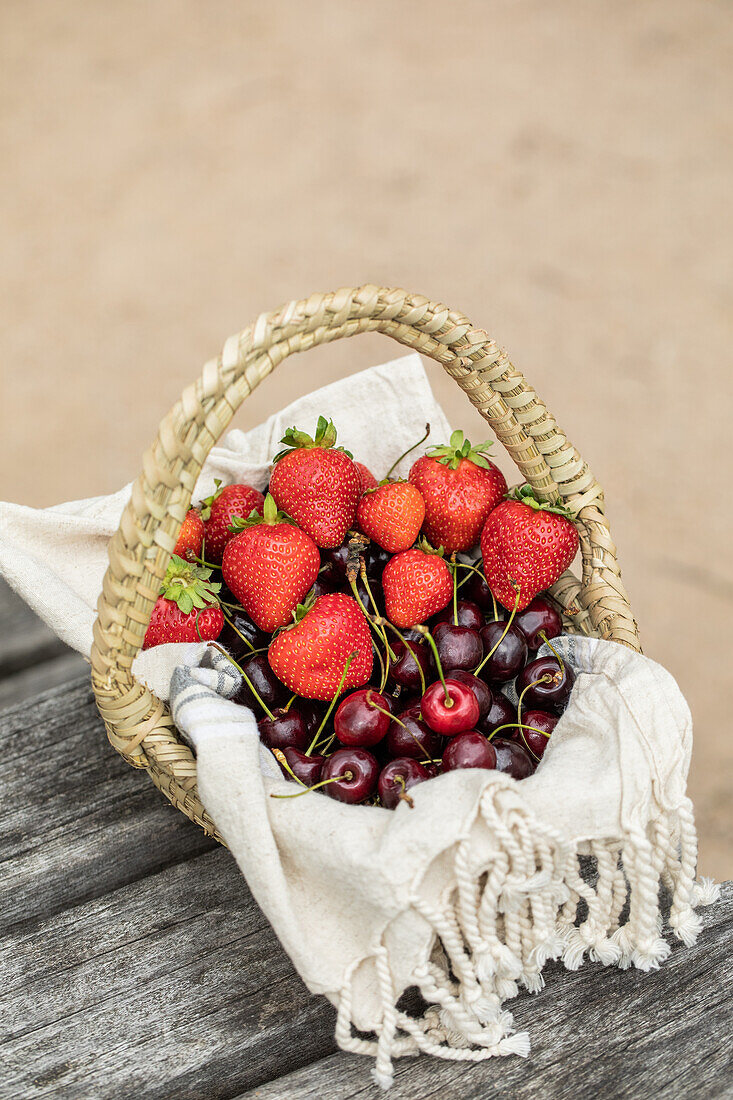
(413, 738)
(512, 758)
(353, 773)
(362, 718)
(306, 768)
(551, 683)
(397, 777)
(469, 614)
(286, 729)
(539, 617)
(468, 750)
(508, 657)
(458, 646)
(482, 691)
(453, 715)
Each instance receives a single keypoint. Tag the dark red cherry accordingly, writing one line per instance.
(237, 632)
(512, 758)
(499, 713)
(311, 712)
(333, 567)
(539, 617)
(322, 586)
(306, 768)
(551, 683)
(469, 614)
(458, 646)
(478, 591)
(377, 594)
(432, 769)
(460, 715)
(286, 729)
(404, 669)
(375, 559)
(482, 691)
(413, 738)
(510, 653)
(264, 681)
(358, 771)
(468, 750)
(397, 777)
(362, 718)
(541, 726)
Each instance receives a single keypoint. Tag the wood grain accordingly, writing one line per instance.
(25, 640)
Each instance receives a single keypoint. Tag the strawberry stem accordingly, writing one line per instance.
(331, 705)
(404, 454)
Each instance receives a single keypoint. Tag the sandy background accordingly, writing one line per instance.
(559, 171)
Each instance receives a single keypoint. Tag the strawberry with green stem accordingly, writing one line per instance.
(218, 511)
(460, 487)
(191, 536)
(526, 544)
(317, 483)
(270, 565)
(391, 515)
(417, 583)
(187, 609)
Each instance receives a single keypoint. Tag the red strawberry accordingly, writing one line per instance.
(310, 657)
(460, 487)
(391, 515)
(187, 609)
(270, 566)
(416, 585)
(219, 510)
(191, 535)
(317, 484)
(366, 477)
(528, 543)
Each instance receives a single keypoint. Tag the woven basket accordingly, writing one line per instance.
(138, 724)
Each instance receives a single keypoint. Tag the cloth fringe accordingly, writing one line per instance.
(538, 898)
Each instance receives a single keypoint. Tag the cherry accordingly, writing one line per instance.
(499, 713)
(538, 720)
(510, 653)
(306, 768)
(468, 750)
(413, 738)
(238, 630)
(377, 594)
(264, 681)
(375, 559)
(556, 681)
(357, 771)
(458, 646)
(482, 691)
(311, 712)
(432, 769)
(286, 729)
(334, 564)
(512, 758)
(322, 586)
(362, 718)
(539, 617)
(478, 591)
(469, 614)
(450, 715)
(404, 669)
(396, 778)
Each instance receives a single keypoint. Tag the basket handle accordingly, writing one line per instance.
(140, 549)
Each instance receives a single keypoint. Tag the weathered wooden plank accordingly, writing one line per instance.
(595, 1033)
(25, 685)
(77, 821)
(24, 639)
(173, 986)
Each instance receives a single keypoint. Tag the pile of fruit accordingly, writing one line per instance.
(385, 631)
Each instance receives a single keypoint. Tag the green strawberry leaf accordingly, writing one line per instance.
(270, 515)
(460, 449)
(188, 585)
(325, 437)
(208, 501)
(525, 494)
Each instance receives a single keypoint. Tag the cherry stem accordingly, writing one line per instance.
(554, 652)
(496, 645)
(382, 666)
(407, 452)
(246, 679)
(332, 704)
(239, 632)
(408, 646)
(334, 779)
(431, 642)
(403, 795)
(455, 590)
(517, 725)
(280, 757)
(546, 679)
(369, 618)
(290, 701)
(383, 710)
(373, 602)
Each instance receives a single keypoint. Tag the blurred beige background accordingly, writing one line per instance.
(559, 171)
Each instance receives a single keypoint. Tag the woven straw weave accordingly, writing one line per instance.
(138, 724)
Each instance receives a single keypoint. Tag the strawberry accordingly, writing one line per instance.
(219, 510)
(366, 477)
(416, 585)
(391, 515)
(310, 656)
(191, 535)
(526, 546)
(270, 566)
(187, 609)
(460, 487)
(317, 484)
